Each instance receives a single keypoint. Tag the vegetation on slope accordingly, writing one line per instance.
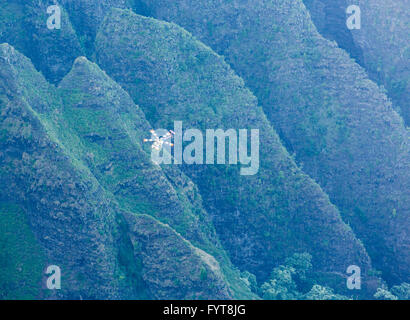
(21, 257)
(381, 45)
(87, 15)
(78, 223)
(111, 129)
(339, 124)
(23, 24)
(80, 190)
(65, 208)
(260, 219)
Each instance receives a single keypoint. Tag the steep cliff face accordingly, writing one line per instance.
(330, 19)
(87, 15)
(23, 24)
(21, 257)
(111, 130)
(78, 216)
(383, 41)
(80, 190)
(260, 219)
(173, 268)
(65, 208)
(341, 126)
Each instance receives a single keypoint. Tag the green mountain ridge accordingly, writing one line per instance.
(340, 125)
(75, 215)
(112, 129)
(381, 44)
(95, 215)
(81, 191)
(23, 24)
(257, 233)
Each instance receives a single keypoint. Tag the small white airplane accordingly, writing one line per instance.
(160, 141)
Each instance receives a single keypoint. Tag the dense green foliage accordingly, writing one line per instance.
(270, 208)
(111, 129)
(293, 280)
(111, 227)
(23, 25)
(381, 45)
(21, 257)
(79, 189)
(341, 126)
